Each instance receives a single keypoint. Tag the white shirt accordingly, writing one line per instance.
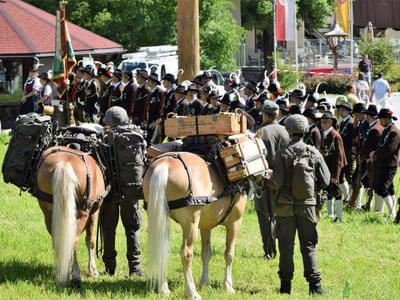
(326, 132)
(346, 118)
(381, 87)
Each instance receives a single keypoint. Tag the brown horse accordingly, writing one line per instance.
(70, 190)
(176, 176)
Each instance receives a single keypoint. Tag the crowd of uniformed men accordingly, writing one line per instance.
(359, 144)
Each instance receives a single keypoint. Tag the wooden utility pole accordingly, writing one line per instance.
(188, 39)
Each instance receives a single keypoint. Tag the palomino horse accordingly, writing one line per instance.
(70, 189)
(181, 175)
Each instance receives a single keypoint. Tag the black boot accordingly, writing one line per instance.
(316, 289)
(285, 287)
(110, 269)
(136, 272)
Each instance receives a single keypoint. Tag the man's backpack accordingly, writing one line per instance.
(126, 148)
(32, 135)
(301, 174)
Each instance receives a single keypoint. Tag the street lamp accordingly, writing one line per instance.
(334, 38)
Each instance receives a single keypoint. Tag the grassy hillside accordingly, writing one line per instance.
(364, 249)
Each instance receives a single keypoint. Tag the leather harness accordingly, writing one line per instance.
(83, 205)
(191, 200)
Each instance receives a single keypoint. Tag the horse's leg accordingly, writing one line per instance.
(205, 255)
(190, 228)
(232, 230)
(46, 208)
(91, 243)
(76, 272)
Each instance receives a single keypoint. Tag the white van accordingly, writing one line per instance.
(156, 59)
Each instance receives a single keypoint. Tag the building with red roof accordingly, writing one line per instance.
(27, 31)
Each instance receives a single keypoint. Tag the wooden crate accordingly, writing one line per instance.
(242, 151)
(218, 124)
(158, 149)
(244, 170)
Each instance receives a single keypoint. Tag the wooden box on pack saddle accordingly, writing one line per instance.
(219, 124)
(243, 159)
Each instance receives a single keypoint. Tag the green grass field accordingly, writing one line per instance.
(364, 249)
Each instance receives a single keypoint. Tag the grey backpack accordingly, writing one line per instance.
(126, 148)
(32, 134)
(301, 174)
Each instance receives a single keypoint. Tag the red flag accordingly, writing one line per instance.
(285, 20)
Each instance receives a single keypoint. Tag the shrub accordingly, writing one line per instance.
(335, 84)
(380, 52)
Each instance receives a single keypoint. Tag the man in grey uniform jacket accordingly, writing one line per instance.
(300, 171)
(274, 137)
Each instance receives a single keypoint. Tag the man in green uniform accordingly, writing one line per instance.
(274, 137)
(299, 171)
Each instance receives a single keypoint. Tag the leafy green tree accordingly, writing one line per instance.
(136, 23)
(380, 52)
(219, 35)
(259, 14)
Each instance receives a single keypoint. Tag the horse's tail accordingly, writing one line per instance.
(63, 227)
(158, 238)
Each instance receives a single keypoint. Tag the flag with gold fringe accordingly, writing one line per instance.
(64, 59)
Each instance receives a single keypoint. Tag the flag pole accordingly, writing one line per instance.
(351, 36)
(67, 110)
(275, 45)
(296, 42)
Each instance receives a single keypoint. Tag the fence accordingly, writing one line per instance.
(317, 53)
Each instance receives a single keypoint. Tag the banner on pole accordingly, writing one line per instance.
(342, 8)
(64, 59)
(285, 23)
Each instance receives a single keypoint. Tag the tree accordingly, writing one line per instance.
(220, 35)
(380, 52)
(136, 23)
(258, 14)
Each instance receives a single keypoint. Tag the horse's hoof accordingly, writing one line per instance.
(76, 283)
(94, 274)
(203, 283)
(192, 295)
(229, 288)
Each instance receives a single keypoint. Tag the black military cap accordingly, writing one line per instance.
(386, 113)
(91, 70)
(298, 94)
(294, 109)
(104, 72)
(180, 89)
(311, 98)
(372, 111)
(142, 73)
(170, 77)
(251, 86)
(118, 73)
(344, 105)
(207, 74)
(154, 77)
(44, 76)
(197, 80)
(328, 115)
(309, 113)
(128, 74)
(358, 107)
